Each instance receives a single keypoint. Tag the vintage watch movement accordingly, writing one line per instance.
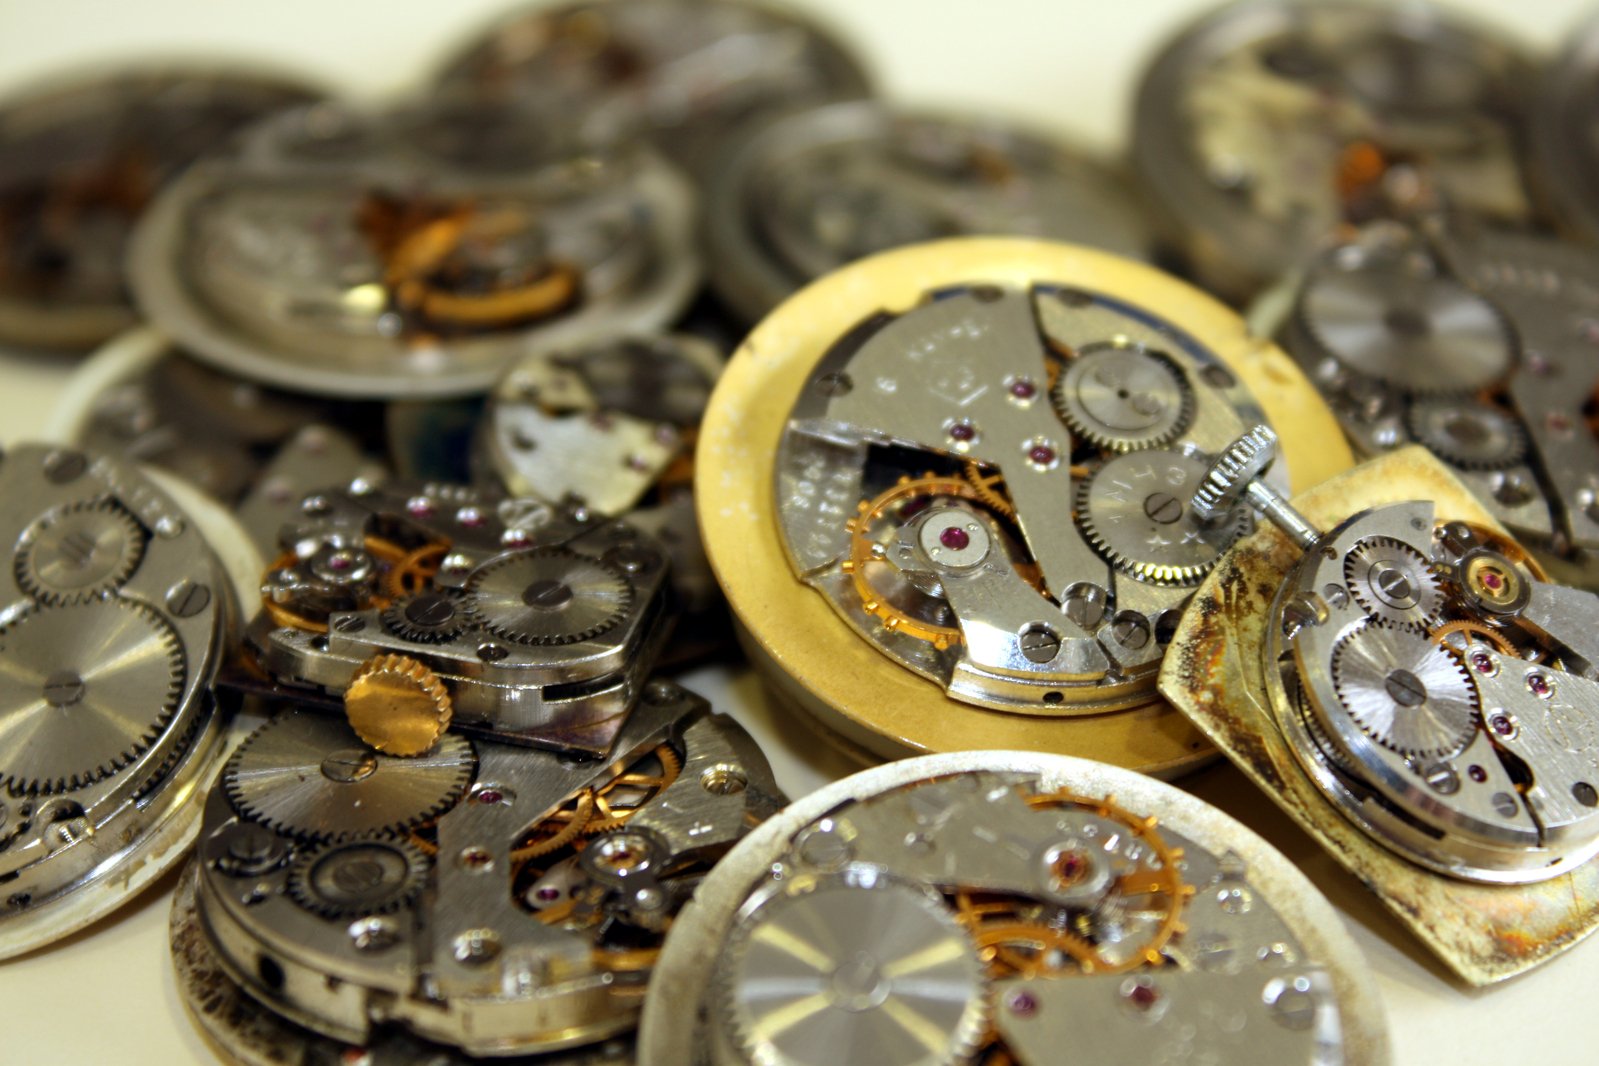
(681, 73)
(421, 606)
(946, 491)
(80, 161)
(1394, 671)
(414, 253)
(1482, 346)
(1266, 124)
(482, 899)
(115, 618)
(808, 193)
(993, 908)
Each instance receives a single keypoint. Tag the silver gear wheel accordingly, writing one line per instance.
(356, 878)
(549, 596)
(1124, 399)
(1422, 335)
(1405, 691)
(79, 552)
(1229, 474)
(1467, 433)
(310, 776)
(434, 617)
(1136, 511)
(1394, 583)
(887, 963)
(85, 690)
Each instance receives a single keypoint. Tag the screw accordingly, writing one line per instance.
(432, 609)
(1405, 688)
(1039, 643)
(630, 558)
(63, 688)
(63, 466)
(187, 598)
(1163, 507)
(1131, 633)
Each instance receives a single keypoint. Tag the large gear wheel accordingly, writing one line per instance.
(1421, 335)
(84, 691)
(1136, 512)
(310, 776)
(1468, 433)
(356, 878)
(864, 553)
(1124, 399)
(825, 969)
(79, 552)
(549, 596)
(1394, 582)
(1405, 691)
(434, 617)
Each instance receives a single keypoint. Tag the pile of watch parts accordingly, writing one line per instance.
(411, 460)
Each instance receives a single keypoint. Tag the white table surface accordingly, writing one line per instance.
(107, 995)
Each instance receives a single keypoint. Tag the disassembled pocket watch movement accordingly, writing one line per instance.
(1263, 126)
(483, 899)
(422, 606)
(981, 454)
(1481, 346)
(812, 191)
(996, 907)
(411, 254)
(1399, 675)
(681, 73)
(114, 621)
(79, 163)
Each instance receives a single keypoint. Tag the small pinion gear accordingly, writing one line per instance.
(355, 878)
(1228, 477)
(308, 775)
(434, 617)
(1467, 433)
(1394, 582)
(1405, 691)
(79, 552)
(1136, 511)
(1124, 398)
(85, 690)
(549, 596)
(397, 705)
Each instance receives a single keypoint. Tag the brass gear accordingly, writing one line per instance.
(990, 488)
(596, 810)
(863, 552)
(397, 705)
(1474, 632)
(79, 552)
(1013, 944)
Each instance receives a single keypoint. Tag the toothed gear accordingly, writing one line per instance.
(357, 878)
(79, 552)
(1404, 691)
(1136, 510)
(16, 818)
(1469, 434)
(434, 617)
(1420, 334)
(549, 596)
(310, 776)
(1229, 474)
(1124, 399)
(989, 485)
(84, 691)
(1394, 583)
(876, 963)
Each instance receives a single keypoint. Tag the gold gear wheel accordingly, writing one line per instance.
(990, 488)
(1014, 944)
(863, 550)
(397, 705)
(1473, 632)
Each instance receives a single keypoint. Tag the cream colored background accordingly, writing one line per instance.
(107, 996)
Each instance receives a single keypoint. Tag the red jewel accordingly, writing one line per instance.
(1023, 389)
(954, 538)
(1042, 454)
(961, 431)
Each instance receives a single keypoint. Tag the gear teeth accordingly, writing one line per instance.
(1172, 422)
(1511, 448)
(50, 749)
(602, 594)
(1365, 706)
(1428, 593)
(404, 866)
(1230, 473)
(1123, 558)
(397, 618)
(397, 705)
(92, 546)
